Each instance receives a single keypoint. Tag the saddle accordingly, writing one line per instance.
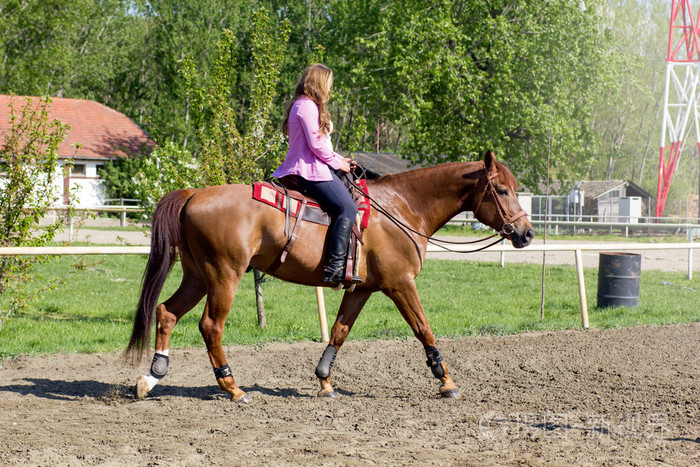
(288, 198)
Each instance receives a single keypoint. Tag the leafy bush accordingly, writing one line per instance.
(118, 176)
(30, 188)
(169, 167)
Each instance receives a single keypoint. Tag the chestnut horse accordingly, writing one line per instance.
(220, 231)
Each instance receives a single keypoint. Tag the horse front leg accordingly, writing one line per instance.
(211, 326)
(350, 308)
(168, 313)
(405, 297)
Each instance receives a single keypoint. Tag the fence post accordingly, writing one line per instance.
(690, 255)
(503, 253)
(322, 314)
(581, 290)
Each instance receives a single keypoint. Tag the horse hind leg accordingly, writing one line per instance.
(211, 326)
(168, 313)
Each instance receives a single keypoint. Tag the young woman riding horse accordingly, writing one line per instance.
(220, 231)
(310, 159)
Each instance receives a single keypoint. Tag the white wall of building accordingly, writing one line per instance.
(84, 183)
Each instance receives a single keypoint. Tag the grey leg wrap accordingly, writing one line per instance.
(435, 361)
(323, 369)
(159, 366)
(222, 372)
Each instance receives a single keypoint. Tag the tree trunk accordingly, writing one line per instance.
(262, 321)
(646, 149)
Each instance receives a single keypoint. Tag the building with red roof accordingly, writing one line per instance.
(97, 134)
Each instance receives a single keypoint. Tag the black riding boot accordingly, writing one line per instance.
(337, 251)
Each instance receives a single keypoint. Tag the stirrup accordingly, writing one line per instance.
(337, 277)
(354, 280)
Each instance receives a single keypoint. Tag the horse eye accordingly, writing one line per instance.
(503, 192)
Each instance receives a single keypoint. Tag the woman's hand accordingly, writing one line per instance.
(347, 165)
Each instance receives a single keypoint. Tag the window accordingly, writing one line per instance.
(78, 169)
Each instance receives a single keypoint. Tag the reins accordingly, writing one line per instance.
(507, 220)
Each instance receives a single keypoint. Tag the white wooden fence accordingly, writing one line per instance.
(647, 224)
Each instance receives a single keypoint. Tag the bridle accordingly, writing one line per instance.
(507, 220)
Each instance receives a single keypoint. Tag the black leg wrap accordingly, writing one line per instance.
(222, 372)
(159, 365)
(435, 361)
(323, 369)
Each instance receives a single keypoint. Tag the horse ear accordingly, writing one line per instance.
(490, 160)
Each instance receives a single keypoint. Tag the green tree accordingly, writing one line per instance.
(436, 81)
(29, 160)
(55, 47)
(122, 53)
(173, 30)
(460, 76)
(230, 146)
(227, 154)
(627, 118)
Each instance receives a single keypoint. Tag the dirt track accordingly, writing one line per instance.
(627, 396)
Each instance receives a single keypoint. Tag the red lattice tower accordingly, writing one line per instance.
(681, 106)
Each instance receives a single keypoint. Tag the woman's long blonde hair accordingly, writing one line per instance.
(315, 83)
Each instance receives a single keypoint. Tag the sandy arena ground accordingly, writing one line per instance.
(595, 397)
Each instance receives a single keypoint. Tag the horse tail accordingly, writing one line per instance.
(166, 239)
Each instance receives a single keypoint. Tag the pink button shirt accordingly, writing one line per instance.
(310, 155)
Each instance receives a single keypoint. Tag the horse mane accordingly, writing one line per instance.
(413, 173)
(422, 186)
(506, 175)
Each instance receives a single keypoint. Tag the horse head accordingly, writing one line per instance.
(497, 204)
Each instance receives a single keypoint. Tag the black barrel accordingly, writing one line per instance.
(618, 279)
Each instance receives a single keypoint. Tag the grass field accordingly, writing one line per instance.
(94, 309)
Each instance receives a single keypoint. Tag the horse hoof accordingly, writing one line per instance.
(242, 399)
(330, 394)
(450, 393)
(142, 388)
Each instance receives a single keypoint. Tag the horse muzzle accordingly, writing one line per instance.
(520, 238)
(517, 229)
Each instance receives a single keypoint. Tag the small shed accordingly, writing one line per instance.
(612, 200)
(381, 163)
(101, 134)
